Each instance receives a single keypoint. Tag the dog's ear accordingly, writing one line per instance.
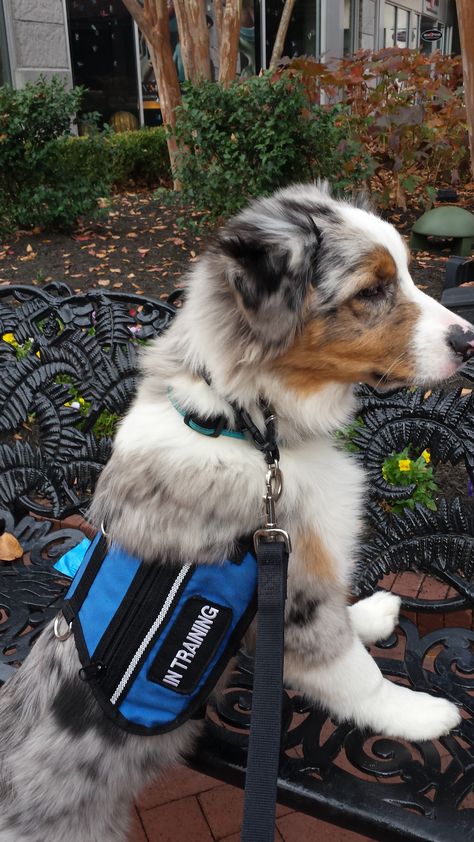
(271, 277)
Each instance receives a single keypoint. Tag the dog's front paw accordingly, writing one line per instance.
(375, 618)
(409, 715)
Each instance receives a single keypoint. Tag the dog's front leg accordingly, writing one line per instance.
(327, 661)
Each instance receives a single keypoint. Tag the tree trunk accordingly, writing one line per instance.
(218, 12)
(281, 34)
(465, 10)
(152, 20)
(229, 43)
(193, 39)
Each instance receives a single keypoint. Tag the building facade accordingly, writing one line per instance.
(95, 43)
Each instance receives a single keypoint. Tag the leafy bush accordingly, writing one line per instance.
(41, 184)
(50, 178)
(139, 156)
(254, 136)
(406, 108)
(401, 469)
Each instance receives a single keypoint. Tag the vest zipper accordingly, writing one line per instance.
(122, 621)
(133, 628)
(142, 650)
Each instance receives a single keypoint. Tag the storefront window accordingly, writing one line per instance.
(349, 27)
(389, 26)
(303, 38)
(401, 28)
(414, 31)
(4, 64)
(103, 58)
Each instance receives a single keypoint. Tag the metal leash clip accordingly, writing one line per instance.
(271, 532)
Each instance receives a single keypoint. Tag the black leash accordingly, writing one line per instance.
(272, 548)
(265, 722)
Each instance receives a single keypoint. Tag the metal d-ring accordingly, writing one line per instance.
(59, 635)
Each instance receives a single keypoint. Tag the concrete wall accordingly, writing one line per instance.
(37, 40)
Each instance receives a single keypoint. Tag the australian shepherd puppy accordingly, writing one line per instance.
(299, 297)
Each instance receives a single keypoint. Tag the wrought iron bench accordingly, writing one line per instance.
(68, 368)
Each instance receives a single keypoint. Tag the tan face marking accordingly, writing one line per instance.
(314, 557)
(378, 265)
(367, 337)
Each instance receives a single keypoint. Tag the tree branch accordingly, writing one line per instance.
(281, 34)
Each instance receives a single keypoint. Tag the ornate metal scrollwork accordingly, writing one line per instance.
(52, 337)
(371, 784)
(30, 589)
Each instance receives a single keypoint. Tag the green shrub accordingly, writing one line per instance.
(42, 182)
(254, 136)
(49, 177)
(140, 156)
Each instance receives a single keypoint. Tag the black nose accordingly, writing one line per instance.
(461, 341)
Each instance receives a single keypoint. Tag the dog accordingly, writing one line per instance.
(297, 298)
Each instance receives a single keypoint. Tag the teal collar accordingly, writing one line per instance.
(211, 427)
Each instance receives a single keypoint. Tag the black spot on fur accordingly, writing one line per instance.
(302, 208)
(264, 267)
(266, 270)
(72, 708)
(89, 769)
(303, 611)
(77, 712)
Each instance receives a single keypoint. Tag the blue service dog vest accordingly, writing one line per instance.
(153, 639)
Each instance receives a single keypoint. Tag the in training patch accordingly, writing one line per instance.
(190, 645)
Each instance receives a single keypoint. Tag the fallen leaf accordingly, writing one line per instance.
(10, 548)
(103, 282)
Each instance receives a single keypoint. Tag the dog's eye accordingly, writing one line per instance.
(372, 293)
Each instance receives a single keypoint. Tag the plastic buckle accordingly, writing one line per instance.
(200, 426)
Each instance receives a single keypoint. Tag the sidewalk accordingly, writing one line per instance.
(186, 806)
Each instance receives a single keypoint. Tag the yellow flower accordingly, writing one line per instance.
(82, 401)
(426, 456)
(9, 337)
(404, 464)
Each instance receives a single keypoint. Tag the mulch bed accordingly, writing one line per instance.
(144, 246)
